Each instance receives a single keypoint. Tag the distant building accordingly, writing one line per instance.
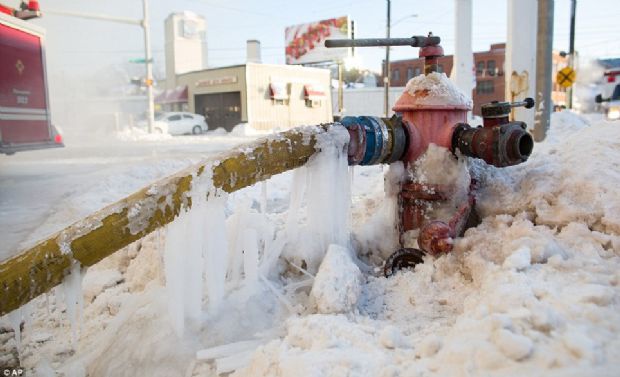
(267, 96)
(490, 80)
(610, 63)
(185, 45)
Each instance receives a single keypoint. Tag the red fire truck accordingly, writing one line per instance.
(25, 122)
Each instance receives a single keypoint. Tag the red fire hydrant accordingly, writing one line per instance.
(435, 114)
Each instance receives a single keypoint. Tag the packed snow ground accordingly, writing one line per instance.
(534, 289)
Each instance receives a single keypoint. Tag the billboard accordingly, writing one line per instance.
(305, 43)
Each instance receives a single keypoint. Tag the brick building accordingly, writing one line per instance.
(490, 80)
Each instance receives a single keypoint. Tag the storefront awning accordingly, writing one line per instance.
(178, 95)
(313, 91)
(277, 90)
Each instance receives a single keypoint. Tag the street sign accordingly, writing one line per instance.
(566, 77)
(140, 60)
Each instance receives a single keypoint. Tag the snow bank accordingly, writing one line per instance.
(531, 290)
(139, 134)
(571, 179)
(436, 89)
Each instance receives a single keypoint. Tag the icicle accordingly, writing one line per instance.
(176, 244)
(215, 251)
(29, 308)
(226, 350)
(273, 249)
(233, 362)
(263, 201)
(184, 257)
(15, 317)
(352, 173)
(329, 194)
(250, 256)
(278, 295)
(294, 209)
(303, 271)
(72, 287)
(194, 263)
(237, 223)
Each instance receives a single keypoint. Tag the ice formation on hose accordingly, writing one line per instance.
(327, 190)
(436, 89)
(74, 299)
(196, 247)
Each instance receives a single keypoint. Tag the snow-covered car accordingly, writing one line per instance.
(181, 123)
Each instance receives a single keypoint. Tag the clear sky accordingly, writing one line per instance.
(77, 45)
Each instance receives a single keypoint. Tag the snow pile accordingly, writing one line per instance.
(337, 285)
(525, 292)
(563, 123)
(436, 89)
(140, 134)
(572, 179)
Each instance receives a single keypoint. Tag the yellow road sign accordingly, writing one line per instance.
(566, 77)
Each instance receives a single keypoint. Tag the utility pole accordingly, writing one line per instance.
(149, 66)
(520, 72)
(462, 70)
(544, 62)
(571, 50)
(386, 73)
(340, 90)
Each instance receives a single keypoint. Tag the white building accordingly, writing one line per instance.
(185, 45)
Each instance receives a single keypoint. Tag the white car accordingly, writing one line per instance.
(181, 123)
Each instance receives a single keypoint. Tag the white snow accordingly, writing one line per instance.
(436, 89)
(532, 290)
(337, 285)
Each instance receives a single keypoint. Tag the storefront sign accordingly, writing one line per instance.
(224, 80)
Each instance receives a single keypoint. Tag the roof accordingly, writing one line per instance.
(610, 63)
(283, 66)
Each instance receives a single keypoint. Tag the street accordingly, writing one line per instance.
(43, 191)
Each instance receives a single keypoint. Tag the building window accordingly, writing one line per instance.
(396, 75)
(313, 94)
(313, 103)
(491, 67)
(417, 71)
(479, 68)
(410, 73)
(485, 87)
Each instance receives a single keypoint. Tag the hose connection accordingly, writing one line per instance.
(375, 140)
(499, 142)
